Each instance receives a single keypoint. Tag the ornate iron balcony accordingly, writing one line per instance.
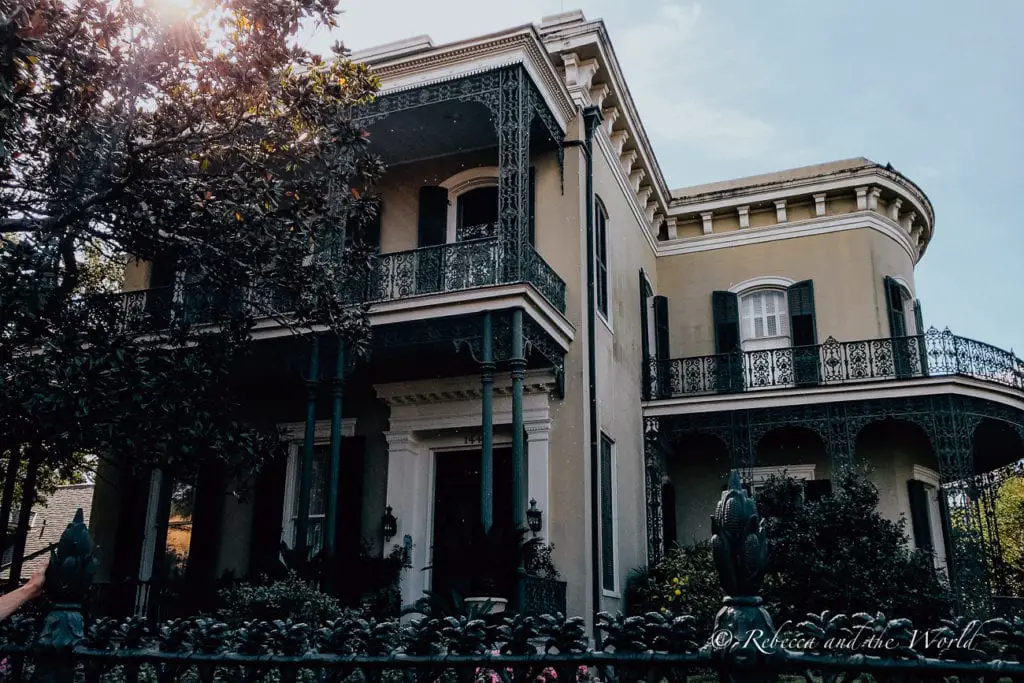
(932, 354)
(443, 268)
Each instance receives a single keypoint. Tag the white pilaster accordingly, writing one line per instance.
(873, 194)
(819, 204)
(908, 220)
(894, 209)
(780, 211)
(744, 214)
(608, 117)
(408, 482)
(862, 198)
(626, 160)
(619, 139)
(673, 229)
(538, 477)
(705, 217)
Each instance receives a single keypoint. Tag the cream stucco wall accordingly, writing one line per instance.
(847, 269)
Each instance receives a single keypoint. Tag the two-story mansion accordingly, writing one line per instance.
(547, 311)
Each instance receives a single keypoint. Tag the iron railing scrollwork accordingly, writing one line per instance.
(745, 644)
(932, 354)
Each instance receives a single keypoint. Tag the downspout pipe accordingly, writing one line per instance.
(591, 119)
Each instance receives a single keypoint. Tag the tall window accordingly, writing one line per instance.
(601, 257)
(317, 496)
(764, 315)
(607, 514)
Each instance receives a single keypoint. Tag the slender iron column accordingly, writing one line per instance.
(331, 522)
(518, 365)
(306, 473)
(487, 424)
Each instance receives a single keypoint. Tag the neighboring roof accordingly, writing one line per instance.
(801, 173)
(49, 523)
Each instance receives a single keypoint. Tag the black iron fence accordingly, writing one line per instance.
(932, 354)
(453, 267)
(745, 645)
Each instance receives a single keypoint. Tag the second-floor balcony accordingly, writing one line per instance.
(932, 354)
(422, 272)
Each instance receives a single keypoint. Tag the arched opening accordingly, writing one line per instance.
(698, 467)
(476, 213)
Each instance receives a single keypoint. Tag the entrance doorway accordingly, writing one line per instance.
(457, 512)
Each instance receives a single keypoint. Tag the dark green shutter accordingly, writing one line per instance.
(918, 318)
(670, 534)
(645, 342)
(894, 304)
(803, 328)
(433, 217)
(267, 512)
(661, 344)
(532, 229)
(728, 375)
(922, 350)
(919, 517)
(607, 517)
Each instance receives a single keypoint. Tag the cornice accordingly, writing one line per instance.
(521, 46)
(630, 195)
(812, 226)
(459, 389)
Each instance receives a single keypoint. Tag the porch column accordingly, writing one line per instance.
(538, 479)
(654, 474)
(306, 469)
(518, 364)
(513, 128)
(487, 424)
(331, 517)
(408, 491)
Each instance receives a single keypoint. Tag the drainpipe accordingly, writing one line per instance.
(591, 119)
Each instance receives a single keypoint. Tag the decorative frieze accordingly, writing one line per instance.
(744, 214)
(819, 204)
(705, 218)
(780, 211)
(894, 209)
(636, 177)
(619, 139)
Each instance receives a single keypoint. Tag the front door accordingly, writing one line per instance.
(457, 512)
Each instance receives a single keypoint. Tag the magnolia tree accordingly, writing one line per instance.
(204, 138)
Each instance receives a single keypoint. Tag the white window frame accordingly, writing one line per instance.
(606, 317)
(295, 435)
(651, 333)
(461, 183)
(615, 591)
(748, 342)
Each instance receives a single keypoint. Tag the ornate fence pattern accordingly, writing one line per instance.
(745, 646)
(932, 354)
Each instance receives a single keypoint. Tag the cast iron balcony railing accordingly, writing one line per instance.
(932, 354)
(438, 269)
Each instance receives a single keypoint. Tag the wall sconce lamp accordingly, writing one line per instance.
(534, 517)
(389, 525)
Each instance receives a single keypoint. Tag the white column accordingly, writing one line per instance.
(670, 223)
(538, 477)
(744, 212)
(705, 218)
(819, 204)
(780, 211)
(862, 198)
(408, 496)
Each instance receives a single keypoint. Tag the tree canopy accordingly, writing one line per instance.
(212, 143)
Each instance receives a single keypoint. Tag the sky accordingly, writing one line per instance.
(729, 88)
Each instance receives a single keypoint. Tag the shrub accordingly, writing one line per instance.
(683, 582)
(288, 598)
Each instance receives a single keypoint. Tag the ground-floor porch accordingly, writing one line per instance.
(937, 461)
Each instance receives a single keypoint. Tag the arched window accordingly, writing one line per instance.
(476, 213)
(601, 256)
(764, 319)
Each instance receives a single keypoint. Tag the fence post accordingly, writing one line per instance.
(744, 633)
(68, 578)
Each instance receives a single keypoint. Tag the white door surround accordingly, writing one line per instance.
(424, 417)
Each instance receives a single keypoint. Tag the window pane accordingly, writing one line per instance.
(607, 517)
(773, 328)
(758, 328)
